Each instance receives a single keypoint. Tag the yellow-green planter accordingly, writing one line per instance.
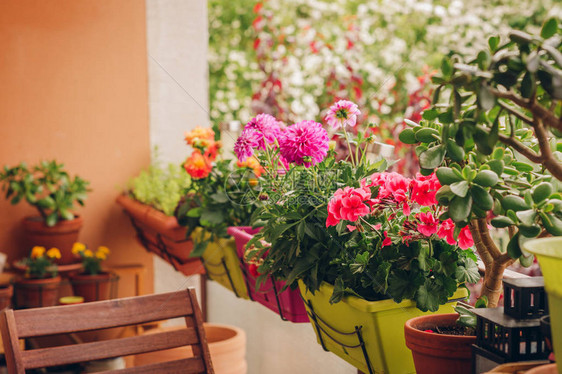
(367, 334)
(549, 254)
(222, 266)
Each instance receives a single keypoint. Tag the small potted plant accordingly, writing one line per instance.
(93, 283)
(48, 188)
(39, 286)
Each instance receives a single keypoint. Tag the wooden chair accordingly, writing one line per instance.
(28, 323)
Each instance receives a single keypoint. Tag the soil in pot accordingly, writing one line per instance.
(62, 236)
(435, 352)
(35, 293)
(92, 287)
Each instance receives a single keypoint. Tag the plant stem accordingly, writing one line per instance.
(349, 147)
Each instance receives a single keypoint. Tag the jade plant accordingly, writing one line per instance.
(47, 187)
(492, 139)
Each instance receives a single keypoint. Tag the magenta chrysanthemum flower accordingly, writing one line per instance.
(268, 126)
(304, 143)
(245, 144)
(343, 113)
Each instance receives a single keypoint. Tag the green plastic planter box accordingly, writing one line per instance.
(367, 334)
(221, 264)
(549, 254)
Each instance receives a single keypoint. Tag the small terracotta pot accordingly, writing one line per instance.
(438, 353)
(227, 345)
(35, 293)
(6, 293)
(92, 287)
(62, 236)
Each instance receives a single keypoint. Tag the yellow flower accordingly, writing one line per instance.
(53, 253)
(88, 253)
(37, 251)
(103, 249)
(101, 255)
(77, 248)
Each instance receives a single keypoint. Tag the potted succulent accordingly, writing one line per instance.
(39, 286)
(362, 245)
(491, 146)
(48, 188)
(93, 284)
(150, 202)
(220, 196)
(489, 137)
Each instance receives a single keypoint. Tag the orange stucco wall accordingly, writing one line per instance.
(73, 87)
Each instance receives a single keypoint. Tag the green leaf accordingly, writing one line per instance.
(513, 249)
(195, 212)
(444, 195)
(486, 178)
(433, 157)
(407, 136)
(427, 135)
(496, 166)
(468, 272)
(481, 197)
(542, 191)
(551, 223)
(527, 85)
(493, 42)
(527, 217)
(549, 28)
(455, 152)
(447, 175)
(502, 221)
(51, 219)
(403, 285)
(460, 188)
(514, 203)
(460, 208)
(522, 166)
(486, 98)
(446, 67)
(429, 296)
(529, 231)
(214, 217)
(430, 114)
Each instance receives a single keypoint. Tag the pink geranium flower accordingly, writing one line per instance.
(465, 238)
(387, 241)
(267, 126)
(447, 231)
(424, 189)
(304, 143)
(348, 204)
(246, 143)
(343, 113)
(428, 223)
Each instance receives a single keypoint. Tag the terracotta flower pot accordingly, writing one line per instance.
(62, 236)
(227, 345)
(35, 293)
(92, 287)
(6, 293)
(438, 353)
(162, 235)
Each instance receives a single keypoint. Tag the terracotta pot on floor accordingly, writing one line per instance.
(62, 236)
(92, 287)
(35, 293)
(227, 345)
(438, 353)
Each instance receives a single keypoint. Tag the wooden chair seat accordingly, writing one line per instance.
(30, 323)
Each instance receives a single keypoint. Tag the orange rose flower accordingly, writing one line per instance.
(199, 133)
(212, 150)
(197, 165)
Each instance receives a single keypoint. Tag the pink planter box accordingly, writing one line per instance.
(288, 304)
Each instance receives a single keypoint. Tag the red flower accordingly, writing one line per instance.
(465, 238)
(428, 223)
(446, 231)
(424, 189)
(198, 165)
(348, 204)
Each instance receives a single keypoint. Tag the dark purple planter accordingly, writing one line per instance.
(288, 304)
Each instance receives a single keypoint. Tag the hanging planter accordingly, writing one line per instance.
(367, 334)
(221, 264)
(549, 254)
(288, 304)
(162, 235)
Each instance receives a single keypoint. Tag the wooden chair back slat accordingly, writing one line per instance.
(194, 365)
(30, 323)
(102, 314)
(70, 354)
